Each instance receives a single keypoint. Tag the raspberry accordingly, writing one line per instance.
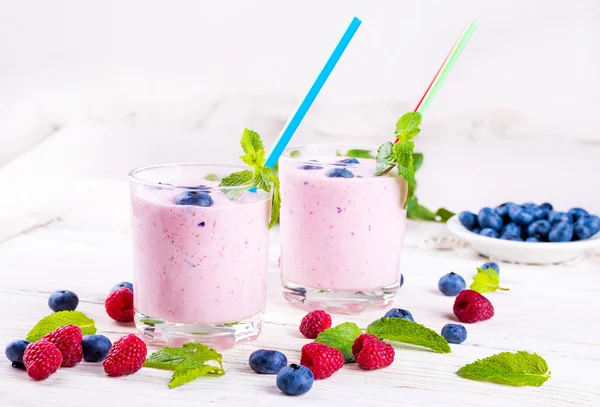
(126, 356)
(321, 359)
(41, 358)
(67, 339)
(470, 306)
(119, 305)
(314, 323)
(371, 353)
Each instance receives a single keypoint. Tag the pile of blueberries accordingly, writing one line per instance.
(531, 223)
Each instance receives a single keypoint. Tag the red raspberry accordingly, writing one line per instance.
(321, 359)
(314, 323)
(371, 353)
(119, 305)
(126, 356)
(41, 359)
(68, 341)
(470, 306)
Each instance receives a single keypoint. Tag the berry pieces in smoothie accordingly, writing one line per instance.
(339, 173)
(200, 198)
(95, 348)
(63, 300)
(399, 313)
(347, 161)
(454, 333)
(14, 352)
(310, 167)
(266, 361)
(122, 284)
(295, 380)
(451, 284)
(314, 323)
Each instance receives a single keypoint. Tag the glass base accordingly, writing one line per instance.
(344, 302)
(218, 336)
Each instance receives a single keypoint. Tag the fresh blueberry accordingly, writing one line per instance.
(528, 205)
(95, 347)
(586, 227)
(539, 212)
(523, 217)
(310, 167)
(513, 211)
(491, 265)
(451, 284)
(539, 229)
(346, 161)
(477, 230)
(454, 333)
(489, 233)
(468, 219)
(510, 236)
(593, 222)
(532, 239)
(63, 300)
(267, 361)
(122, 284)
(401, 279)
(339, 173)
(194, 198)
(399, 313)
(502, 210)
(488, 218)
(14, 352)
(295, 380)
(511, 228)
(561, 232)
(577, 213)
(546, 206)
(556, 217)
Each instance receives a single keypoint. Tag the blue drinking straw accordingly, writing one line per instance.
(292, 125)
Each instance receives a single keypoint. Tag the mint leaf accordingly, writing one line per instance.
(241, 178)
(385, 158)
(341, 337)
(416, 211)
(407, 126)
(358, 153)
(187, 372)
(61, 318)
(418, 160)
(403, 153)
(514, 369)
(486, 281)
(212, 177)
(253, 147)
(295, 154)
(276, 205)
(403, 330)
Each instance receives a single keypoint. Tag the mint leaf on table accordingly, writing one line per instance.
(407, 127)
(61, 318)
(416, 211)
(253, 147)
(341, 338)
(187, 363)
(403, 330)
(486, 281)
(385, 158)
(514, 369)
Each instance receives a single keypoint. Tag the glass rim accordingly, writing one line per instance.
(304, 160)
(134, 178)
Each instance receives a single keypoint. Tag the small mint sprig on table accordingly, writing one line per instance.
(405, 331)
(260, 177)
(61, 318)
(486, 281)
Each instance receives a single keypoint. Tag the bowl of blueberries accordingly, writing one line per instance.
(528, 233)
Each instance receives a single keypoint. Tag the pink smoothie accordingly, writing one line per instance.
(341, 233)
(202, 265)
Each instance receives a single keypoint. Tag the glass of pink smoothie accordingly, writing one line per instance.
(200, 254)
(342, 229)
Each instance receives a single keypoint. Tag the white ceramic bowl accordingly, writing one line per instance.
(524, 252)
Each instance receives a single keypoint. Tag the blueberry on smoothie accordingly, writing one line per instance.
(309, 167)
(295, 380)
(451, 284)
(489, 233)
(346, 161)
(14, 352)
(198, 198)
(577, 213)
(265, 361)
(339, 173)
(488, 218)
(454, 333)
(561, 232)
(63, 300)
(468, 220)
(95, 347)
(399, 313)
(539, 229)
(122, 284)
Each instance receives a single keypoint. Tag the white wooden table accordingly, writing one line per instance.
(554, 311)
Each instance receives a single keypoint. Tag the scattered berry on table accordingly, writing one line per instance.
(491, 265)
(470, 307)
(399, 313)
(451, 284)
(561, 232)
(577, 213)
(339, 173)
(454, 333)
(489, 219)
(295, 380)
(314, 323)
(488, 232)
(266, 361)
(41, 359)
(119, 305)
(539, 229)
(350, 160)
(468, 220)
(197, 198)
(126, 356)
(321, 359)
(122, 284)
(63, 300)
(67, 340)
(14, 351)
(371, 353)
(95, 348)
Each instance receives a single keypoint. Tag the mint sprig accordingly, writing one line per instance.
(514, 369)
(403, 330)
(486, 281)
(187, 363)
(342, 338)
(260, 177)
(61, 318)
